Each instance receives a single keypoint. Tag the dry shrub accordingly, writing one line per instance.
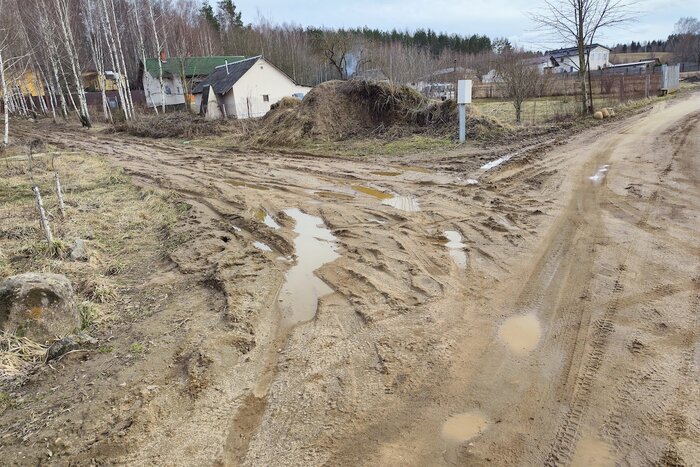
(19, 356)
(339, 110)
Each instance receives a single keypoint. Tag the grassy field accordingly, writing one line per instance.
(539, 110)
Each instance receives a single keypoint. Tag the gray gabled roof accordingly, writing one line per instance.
(222, 79)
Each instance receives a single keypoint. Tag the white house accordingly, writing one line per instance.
(566, 60)
(244, 89)
(180, 75)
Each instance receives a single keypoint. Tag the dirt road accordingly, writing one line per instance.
(557, 326)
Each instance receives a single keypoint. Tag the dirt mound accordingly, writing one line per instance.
(172, 125)
(338, 110)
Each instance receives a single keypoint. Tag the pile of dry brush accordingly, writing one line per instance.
(339, 110)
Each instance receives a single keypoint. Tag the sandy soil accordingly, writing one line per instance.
(569, 338)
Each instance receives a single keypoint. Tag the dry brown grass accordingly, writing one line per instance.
(19, 357)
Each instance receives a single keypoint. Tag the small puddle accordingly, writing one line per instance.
(464, 426)
(386, 174)
(261, 246)
(234, 182)
(314, 245)
(404, 203)
(599, 175)
(265, 218)
(372, 192)
(472, 181)
(413, 168)
(456, 248)
(521, 333)
(497, 162)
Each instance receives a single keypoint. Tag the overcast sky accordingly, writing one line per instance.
(495, 18)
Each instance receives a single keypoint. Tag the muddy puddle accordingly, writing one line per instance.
(265, 218)
(235, 182)
(464, 426)
(496, 162)
(521, 333)
(333, 195)
(412, 168)
(383, 173)
(372, 192)
(314, 245)
(599, 175)
(455, 247)
(403, 203)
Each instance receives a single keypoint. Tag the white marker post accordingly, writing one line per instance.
(464, 97)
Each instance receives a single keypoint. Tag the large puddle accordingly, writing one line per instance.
(521, 333)
(315, 245)
(456, 248)
(496, 162)
(403, 203)
(464, 426)
(384, 173)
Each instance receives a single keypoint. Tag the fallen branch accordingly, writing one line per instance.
(43, 220)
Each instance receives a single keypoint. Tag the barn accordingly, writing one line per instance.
(244, 89)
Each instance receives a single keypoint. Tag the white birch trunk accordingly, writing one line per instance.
(124, 76)
(142, 49)
(6, 110)
(59, 195)
(43, 220)
(160, 64)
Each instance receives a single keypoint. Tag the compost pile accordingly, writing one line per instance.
(177, 124)
(340, 110)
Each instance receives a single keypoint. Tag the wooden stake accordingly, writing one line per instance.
(59, 195)
(43, 220)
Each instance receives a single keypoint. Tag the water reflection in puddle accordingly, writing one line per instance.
(464, 426)
(314, 246)
(599, 175)
(266, 219)
(261, 246)
(371, 192)
(456, 248)
(404, 203)
(521, 333)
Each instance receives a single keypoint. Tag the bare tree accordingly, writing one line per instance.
(580, 21)
(520, 79)
(686, 40)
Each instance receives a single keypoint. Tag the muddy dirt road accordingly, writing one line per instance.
(536, 309)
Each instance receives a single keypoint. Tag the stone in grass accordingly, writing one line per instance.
(78, 251)
(39, 306)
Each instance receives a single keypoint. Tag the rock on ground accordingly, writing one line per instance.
(39, 306)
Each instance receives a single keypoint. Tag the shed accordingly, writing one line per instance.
(244, 89)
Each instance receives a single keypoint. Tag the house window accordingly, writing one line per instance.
(266, 98)
(168, 90)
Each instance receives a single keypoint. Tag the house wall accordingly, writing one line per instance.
(246, 97)
(174, 94)
(599, 59)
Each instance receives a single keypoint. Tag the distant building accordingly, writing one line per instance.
(180, 76)
(244, 89)
(567, 60)
(374, 74)
(440, 84)
(91, 80)
(636, 67)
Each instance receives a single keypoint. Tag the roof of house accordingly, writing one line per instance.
(193, 66)
(655, 61)
(223, 78)
(571, 50)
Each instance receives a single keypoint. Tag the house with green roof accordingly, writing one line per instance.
(180, 76)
